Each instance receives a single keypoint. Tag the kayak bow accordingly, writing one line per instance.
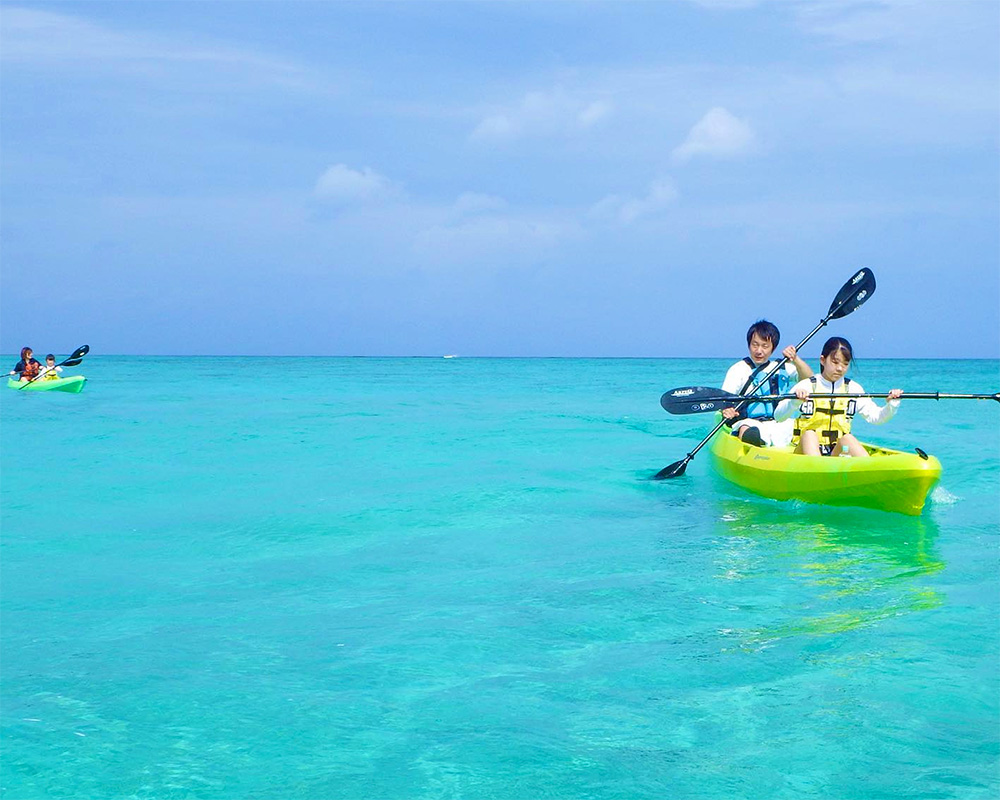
(889, 480)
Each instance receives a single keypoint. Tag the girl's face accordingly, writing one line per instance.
(835, 365)
(28, 354)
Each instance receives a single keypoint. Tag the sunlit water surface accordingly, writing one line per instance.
(451, 578)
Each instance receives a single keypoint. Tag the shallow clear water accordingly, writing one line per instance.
(452, 578)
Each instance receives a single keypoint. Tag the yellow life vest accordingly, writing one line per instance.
(51, 375)
(830, 417)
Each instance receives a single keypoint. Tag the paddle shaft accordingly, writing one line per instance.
(713, 400)
(905, 395)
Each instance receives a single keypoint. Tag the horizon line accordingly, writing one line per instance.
(454, 356)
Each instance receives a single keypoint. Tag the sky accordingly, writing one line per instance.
(620, 179)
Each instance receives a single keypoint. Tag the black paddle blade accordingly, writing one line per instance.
(76, 356)
(853, 294)
(697, 400)
(675, 470)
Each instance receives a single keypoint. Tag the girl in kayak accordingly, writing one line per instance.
(823, 426)
(27, 368)
(50, 371)
(755, 422)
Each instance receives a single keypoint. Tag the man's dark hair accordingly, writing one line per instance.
(764, 330)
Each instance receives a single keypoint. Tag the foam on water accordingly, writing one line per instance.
(942, 497)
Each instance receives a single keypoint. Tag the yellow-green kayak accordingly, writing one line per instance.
(890, 480)
(73, 384)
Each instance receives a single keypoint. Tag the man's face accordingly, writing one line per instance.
(760, 349)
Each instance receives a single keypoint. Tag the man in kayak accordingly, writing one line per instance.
(27, 368)
(755, 423)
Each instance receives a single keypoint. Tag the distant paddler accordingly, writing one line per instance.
(28, 368)
(51, 370)
(33, 377)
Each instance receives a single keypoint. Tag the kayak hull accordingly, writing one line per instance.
(72, 384)
(889, 480)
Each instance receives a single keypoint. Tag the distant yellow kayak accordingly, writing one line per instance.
(890, 480)
(72, 384)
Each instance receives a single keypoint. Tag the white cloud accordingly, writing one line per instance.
(499, 126)
(555, 113)
(490, 237)
(475, 230)
(45, 38)
(594, 113)
(862, 21)
(625, 209)
(868, 21)
(342, 184)
(482, 228)
(727, 4)
(472, 203)
(31, 35)
(718, 134)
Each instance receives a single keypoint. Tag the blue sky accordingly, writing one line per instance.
(500, 178)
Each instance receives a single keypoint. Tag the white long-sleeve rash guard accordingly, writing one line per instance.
(866, 407)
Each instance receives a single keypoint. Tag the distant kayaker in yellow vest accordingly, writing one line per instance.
(823, 426)
(50, 371)
(755, 424)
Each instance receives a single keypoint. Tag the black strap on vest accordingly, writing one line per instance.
(772, 385)
(754, 372)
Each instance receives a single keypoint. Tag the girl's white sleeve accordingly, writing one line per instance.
(789, 408)
(872, 411)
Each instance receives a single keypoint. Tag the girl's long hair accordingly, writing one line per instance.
(838, 343)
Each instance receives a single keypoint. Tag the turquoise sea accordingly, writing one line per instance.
(312, 578)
